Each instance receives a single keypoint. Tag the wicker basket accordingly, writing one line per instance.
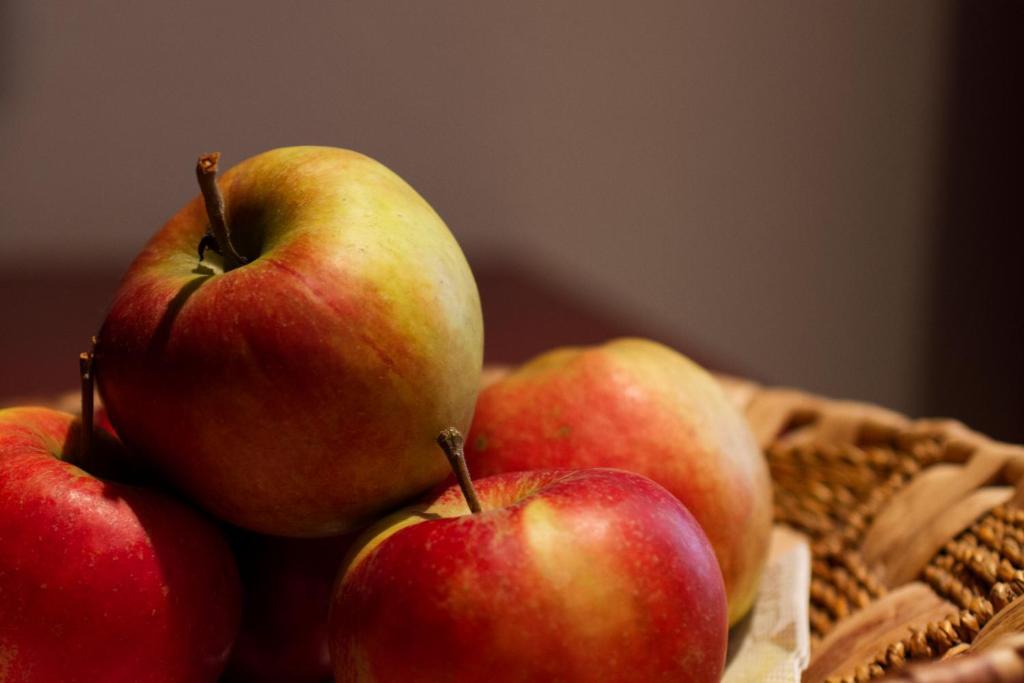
(917, 537)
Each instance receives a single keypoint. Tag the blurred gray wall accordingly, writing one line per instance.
(757, 177)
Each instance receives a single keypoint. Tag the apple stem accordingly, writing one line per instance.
(87, 375)
(451, 442)
(219, 237)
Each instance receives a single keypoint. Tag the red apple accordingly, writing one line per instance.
(591, 575)
(69, 402)
(643, 407)
(102, 580)
(299, 393)
(287, 584)
(102, 421)
(491, 374)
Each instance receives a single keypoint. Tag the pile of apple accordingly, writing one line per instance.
(281, 492)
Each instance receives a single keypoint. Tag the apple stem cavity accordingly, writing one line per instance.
(86, 362)
(451, 442)
(219, 237)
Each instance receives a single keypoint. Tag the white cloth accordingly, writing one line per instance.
(775, 644)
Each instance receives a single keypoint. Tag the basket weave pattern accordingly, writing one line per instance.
(872, 489)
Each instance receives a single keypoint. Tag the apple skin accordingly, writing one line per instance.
(288, 584)
(640, 406)
(589, 575)
(491, 374)
(68, 402)
(102, 421)
(300, 394)
(103, 581)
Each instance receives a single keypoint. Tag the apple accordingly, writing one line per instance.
(103, 421)
(287, 584)
(491, 374)
(293, 383)
(640, 406)
(590, 575)
(103, 580)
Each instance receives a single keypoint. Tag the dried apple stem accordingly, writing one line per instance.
(206, 173)
(85, 373)
(451, 442)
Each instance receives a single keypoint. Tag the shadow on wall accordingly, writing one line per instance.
(525, 313)
(976, 350)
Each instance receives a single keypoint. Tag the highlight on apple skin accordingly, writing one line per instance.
(590, 575)
(103, 580)
(640, 406)
(296, 393)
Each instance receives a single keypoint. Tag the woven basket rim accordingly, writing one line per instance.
(778, 413)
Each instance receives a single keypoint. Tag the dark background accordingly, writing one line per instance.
(815, 194)
(976, 329)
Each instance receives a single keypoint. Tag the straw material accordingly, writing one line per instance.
(917, 537)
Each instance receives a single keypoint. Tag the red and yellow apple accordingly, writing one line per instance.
(491, 374)
(102, 580)
(287, 586)
(572, 576)
(639, 406)
(297, 390)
